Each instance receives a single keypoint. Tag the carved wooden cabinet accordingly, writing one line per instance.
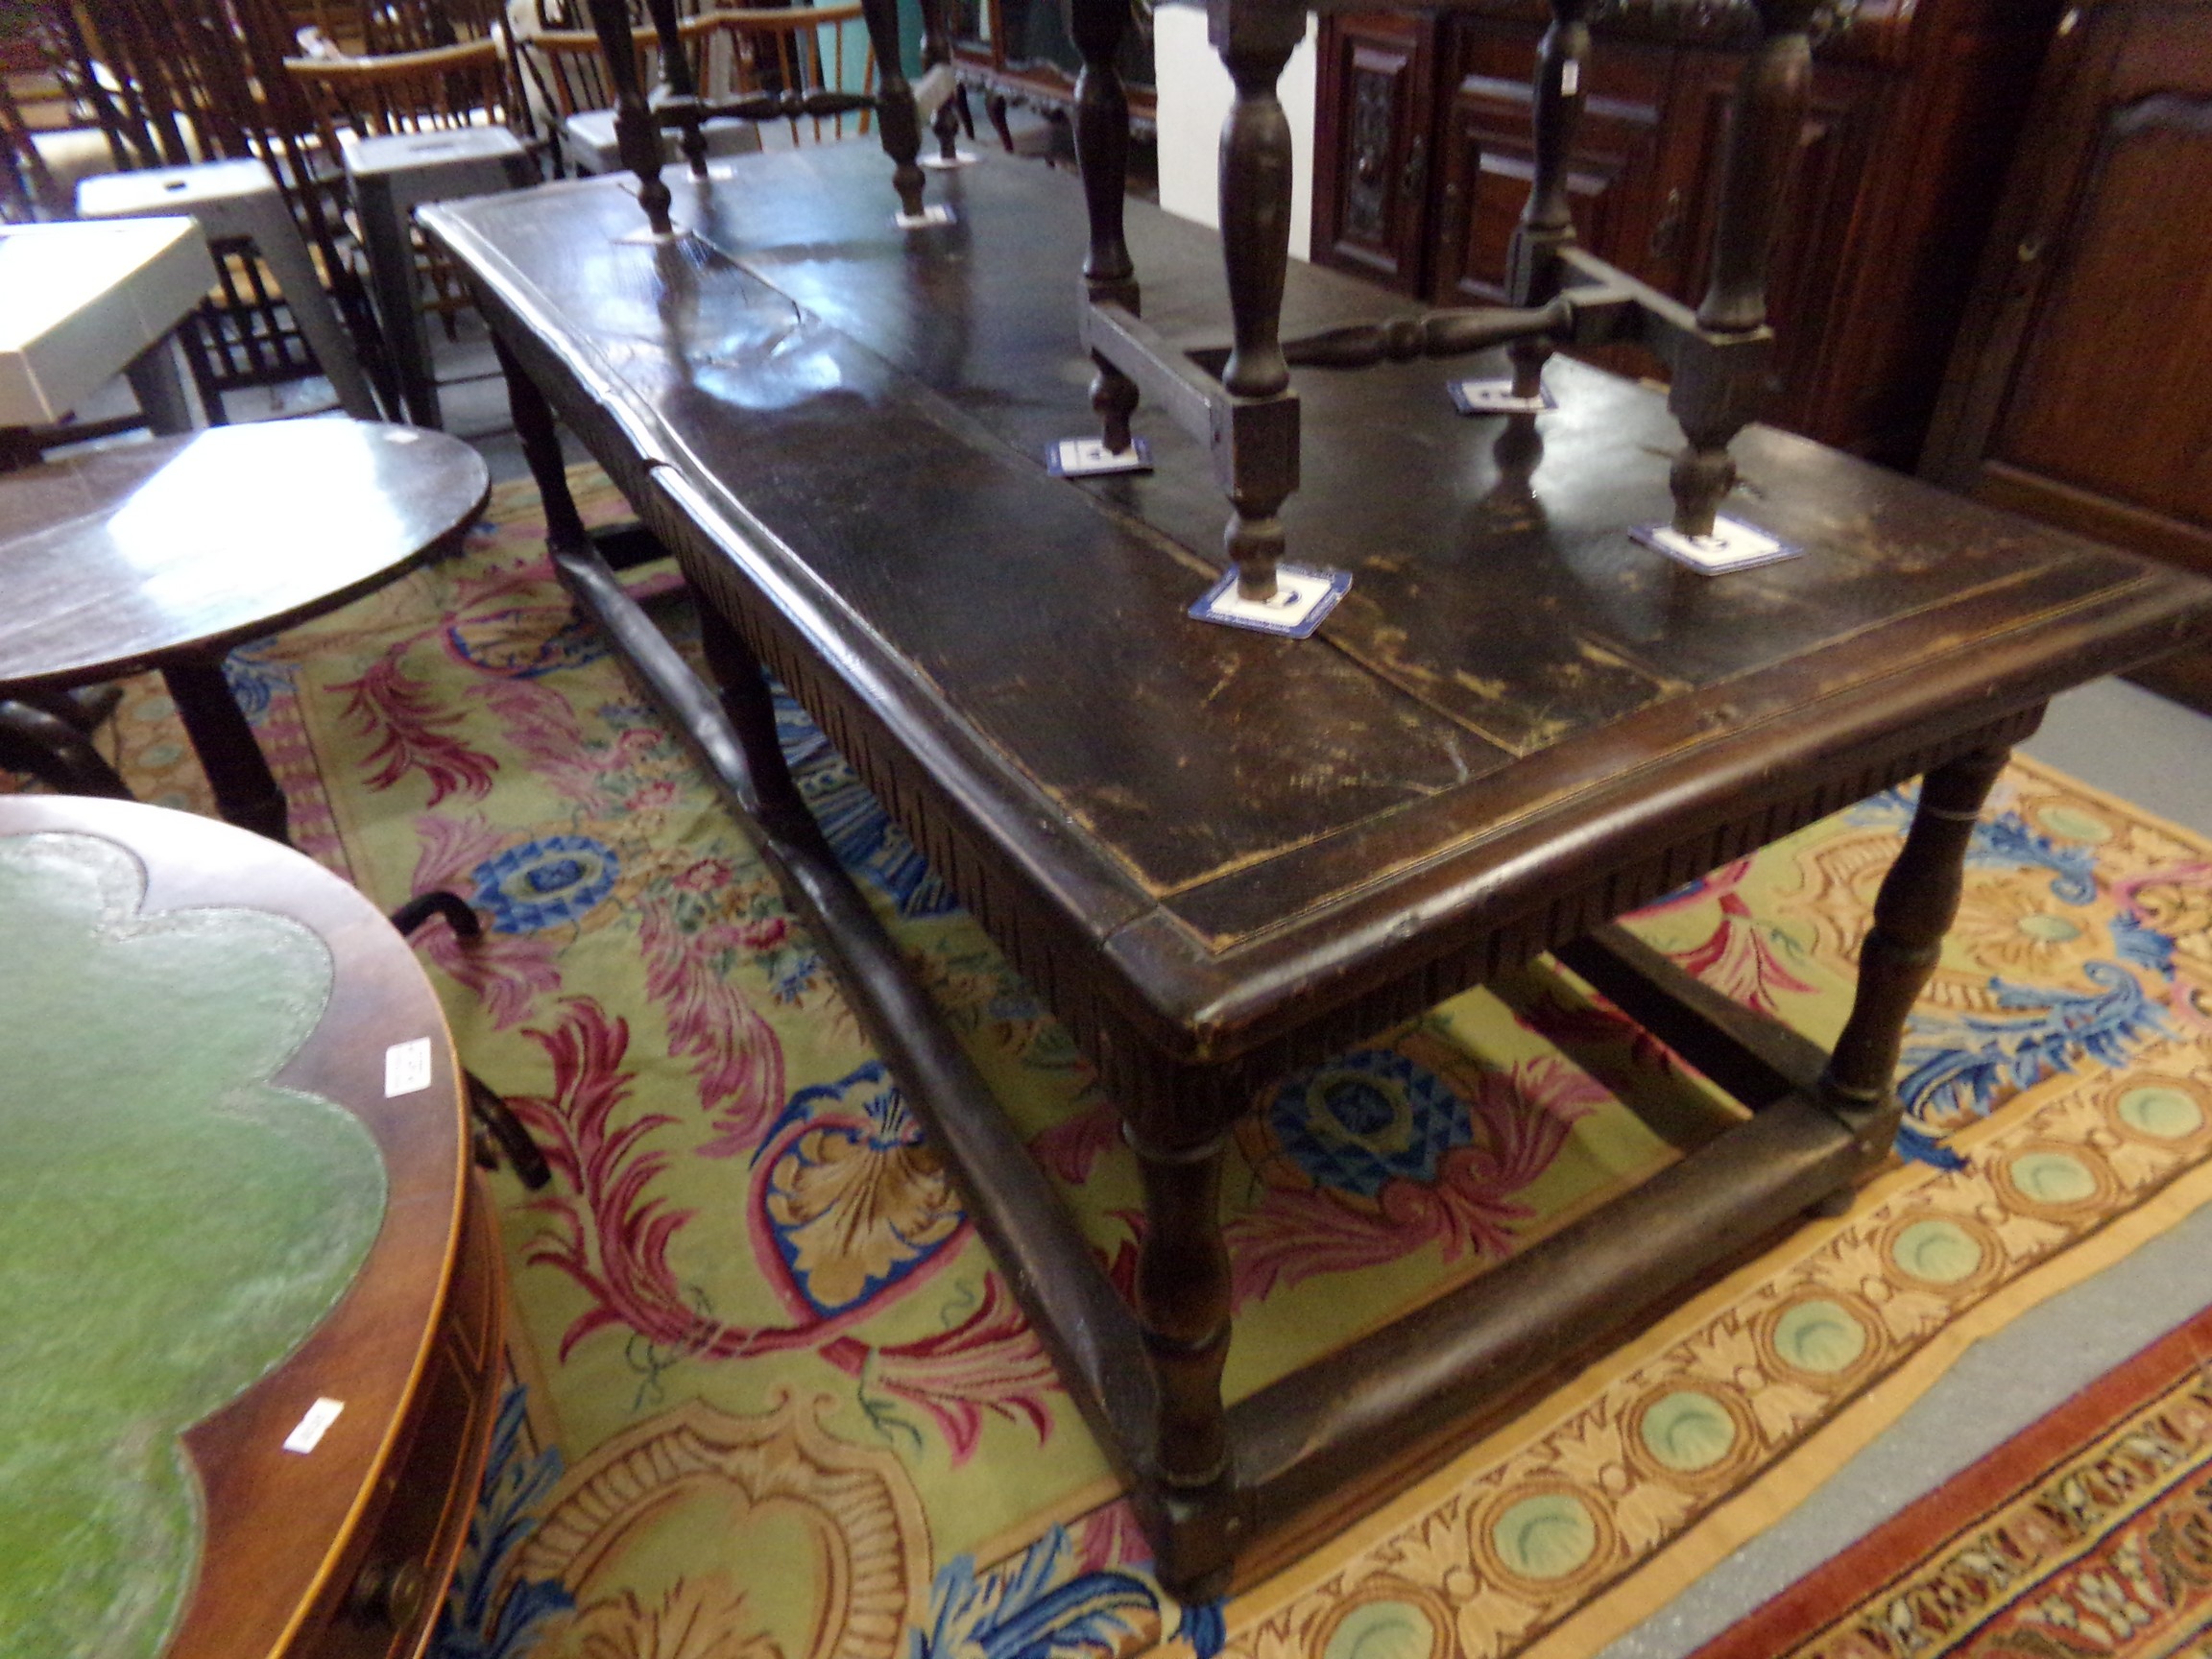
(2082, 391)
(1424, 155)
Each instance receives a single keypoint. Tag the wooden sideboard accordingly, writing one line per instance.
(1423, 156)
(2077, 392)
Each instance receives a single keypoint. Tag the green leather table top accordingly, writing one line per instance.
(173, 1224)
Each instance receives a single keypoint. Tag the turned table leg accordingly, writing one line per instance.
(540, 436)
(1183, 1302)
(1918, 899)
(742, 690)
(246, 790)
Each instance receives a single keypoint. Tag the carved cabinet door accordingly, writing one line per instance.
(1372, 135)
(1488, 158)
(2080, 391)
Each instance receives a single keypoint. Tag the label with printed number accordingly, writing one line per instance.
(311, 1428)
(407, 1068)
(1089, 457)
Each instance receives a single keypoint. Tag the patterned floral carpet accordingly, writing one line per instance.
(770, 1400)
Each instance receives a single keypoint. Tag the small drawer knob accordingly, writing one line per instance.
(388, 1592)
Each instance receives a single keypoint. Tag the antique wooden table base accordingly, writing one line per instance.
(252, 1391)
(1220, 855)
(166, 555)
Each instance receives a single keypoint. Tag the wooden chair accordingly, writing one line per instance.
(28, 189)
(432, 66)
(179, 82)
(421, 65)
(732, 54)
(783, 51)
(466, 83)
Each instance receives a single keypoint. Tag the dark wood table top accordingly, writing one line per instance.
(112, 562)
(1509, 710)
(262, 1213)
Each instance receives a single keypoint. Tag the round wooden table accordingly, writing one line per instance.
(166, 555)
(253, 1343)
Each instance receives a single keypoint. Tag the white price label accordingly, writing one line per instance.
(314, 1425)
(406, 1068)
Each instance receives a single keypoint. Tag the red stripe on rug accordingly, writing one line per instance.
(1865, 1571)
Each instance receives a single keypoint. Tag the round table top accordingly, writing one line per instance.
(126, 557)
(228, 1213)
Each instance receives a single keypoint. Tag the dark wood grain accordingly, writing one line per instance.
(1219, 856)
(412, 1349)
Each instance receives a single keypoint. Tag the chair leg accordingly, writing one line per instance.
(496, 1120)
(55, 752)
(437, 902)
(84, 708)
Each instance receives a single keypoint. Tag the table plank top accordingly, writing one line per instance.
(1508, 699)
(114, 560)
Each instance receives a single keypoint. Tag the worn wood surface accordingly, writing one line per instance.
(412, 1350)
(1261, 816)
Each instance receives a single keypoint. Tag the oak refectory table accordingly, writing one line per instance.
(1219, 854)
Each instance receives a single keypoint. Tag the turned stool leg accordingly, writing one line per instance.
(44, 745)
(1256, 41)
(1914, 910)
(678, 94)
(1547, 220)
(637, 135)
(1714, 401)
(937, 54)
(1102, 154)
(897, 122)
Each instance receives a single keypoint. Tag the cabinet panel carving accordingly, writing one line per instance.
(1375, 140)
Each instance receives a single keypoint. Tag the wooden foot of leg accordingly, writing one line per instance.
(1255, 547)
(1702, 474)
(1114, 396)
